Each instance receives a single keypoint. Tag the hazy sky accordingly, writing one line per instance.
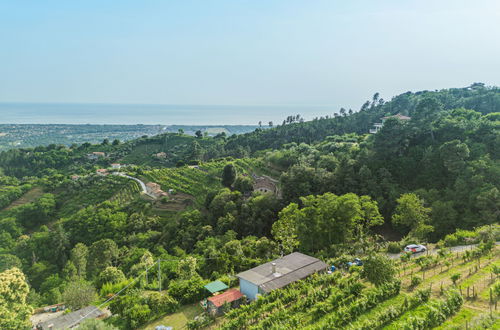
(243, 52)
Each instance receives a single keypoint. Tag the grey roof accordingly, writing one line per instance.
(71, 319)
(290, 268)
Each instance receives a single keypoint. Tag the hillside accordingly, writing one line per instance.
(216, 206)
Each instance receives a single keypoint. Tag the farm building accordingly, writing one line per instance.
(71, 320)
(265, 184)
(278, 273)
(154, 189)
(102, 171)
(96, 155)
(231, 297)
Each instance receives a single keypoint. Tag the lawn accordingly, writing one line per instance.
(176, 320)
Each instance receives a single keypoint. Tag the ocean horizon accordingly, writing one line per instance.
(153, 114)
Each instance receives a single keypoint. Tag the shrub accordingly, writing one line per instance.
(455, 277)
(187, 291)
(393, 247)
(416, 280)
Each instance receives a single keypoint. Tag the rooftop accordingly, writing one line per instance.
(290, 268)
(226, 297)
(216, 286)
(398, 116)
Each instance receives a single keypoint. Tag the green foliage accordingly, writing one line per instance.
(326, 219)
(110, 275)
(187, 290)
(79, 294)
(95, 324)
(379, 269)
(228, 175)
(412, 215)
(394, 247)
(14, 310)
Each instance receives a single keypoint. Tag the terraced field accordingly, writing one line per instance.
(197, 181)
(345, 301)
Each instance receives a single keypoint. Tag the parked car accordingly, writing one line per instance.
(415, 248)
(355, 262)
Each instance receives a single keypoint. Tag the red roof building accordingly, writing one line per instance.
(231, 296)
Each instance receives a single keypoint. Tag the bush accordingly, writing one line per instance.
(137, 315)
(394, 247)
(416, 280)
(379, 269)
(161, 303)
(187, 291)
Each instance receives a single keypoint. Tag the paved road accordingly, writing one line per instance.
(458, 248)
(141, 183)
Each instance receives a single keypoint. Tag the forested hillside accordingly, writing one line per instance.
(71, 234)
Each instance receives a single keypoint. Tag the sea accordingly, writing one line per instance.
(132, 114)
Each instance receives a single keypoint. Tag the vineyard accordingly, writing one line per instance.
(197, 181)
(127, 193)
(427, 293)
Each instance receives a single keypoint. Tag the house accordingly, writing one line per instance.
(75, 177)
(96, 155)
(116, 166)
(154, 189)
(71, 320)
(215, 303)
(378, 126)
(265, 184)
(160, 155)
(102, 171)
(278, 273)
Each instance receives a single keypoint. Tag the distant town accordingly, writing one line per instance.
(31, 135)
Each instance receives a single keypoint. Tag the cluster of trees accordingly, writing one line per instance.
(422, 178)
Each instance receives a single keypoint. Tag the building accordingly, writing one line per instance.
(216, 286)
(116, 166)
(96, 155)
(71, 320)
(278, 273)
(378, 126)
(154, 189)
(160, 155)
(265, 184)
(215, 303)
(102, 171)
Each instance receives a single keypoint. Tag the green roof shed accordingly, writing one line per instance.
(216, 286)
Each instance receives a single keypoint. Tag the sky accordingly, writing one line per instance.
(236, 52)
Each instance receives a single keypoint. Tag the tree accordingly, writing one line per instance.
(198, 134)
(411, 215)
(228, 175)
(105, 142)
(78, 257)
(329, 219)
(116, 142)
(110, 275)
(243, 184)
(285, 229)
(102, 254)
(14, 311)
(79, 294)
(379, 269)
(455, 277)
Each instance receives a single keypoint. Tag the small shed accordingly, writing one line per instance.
(231, 297)
(216, 286)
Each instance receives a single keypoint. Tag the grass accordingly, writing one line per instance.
(30, 196)
(177, 320)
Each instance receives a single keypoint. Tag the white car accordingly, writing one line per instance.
(415, 248)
